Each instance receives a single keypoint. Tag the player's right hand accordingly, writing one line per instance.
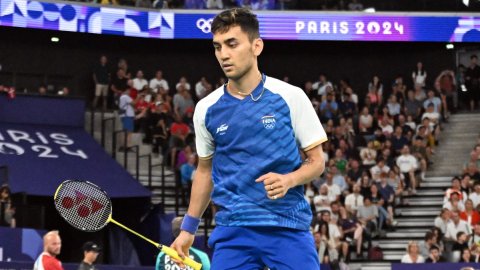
(182, 245)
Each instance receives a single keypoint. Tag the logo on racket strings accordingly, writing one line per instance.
(84, 205)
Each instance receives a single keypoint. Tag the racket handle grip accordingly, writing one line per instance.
(188, 261)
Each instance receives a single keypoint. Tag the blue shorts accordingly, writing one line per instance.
(253, 248)
(127, 123)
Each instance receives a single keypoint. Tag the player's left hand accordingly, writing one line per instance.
(276, 185)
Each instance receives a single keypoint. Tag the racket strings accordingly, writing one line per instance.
(83, 205)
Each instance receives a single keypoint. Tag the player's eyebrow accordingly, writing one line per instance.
(226, 41)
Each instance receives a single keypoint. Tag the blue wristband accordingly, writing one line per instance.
(190, 224)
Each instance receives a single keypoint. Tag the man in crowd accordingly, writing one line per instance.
(52, 244)
(90, 254)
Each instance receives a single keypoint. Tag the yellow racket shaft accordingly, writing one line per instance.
(169, 251)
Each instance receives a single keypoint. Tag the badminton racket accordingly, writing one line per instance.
(87, 207)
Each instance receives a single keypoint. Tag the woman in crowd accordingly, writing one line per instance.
(413, 254)
(8, 211)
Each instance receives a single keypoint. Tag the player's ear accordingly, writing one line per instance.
(257, 46)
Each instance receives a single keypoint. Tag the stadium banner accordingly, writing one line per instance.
(275, 25)
(435, 266)
(40, 155)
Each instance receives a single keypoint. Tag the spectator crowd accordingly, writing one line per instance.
(380, 143)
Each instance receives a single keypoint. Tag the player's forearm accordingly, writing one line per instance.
(312, 167)
(201, 190)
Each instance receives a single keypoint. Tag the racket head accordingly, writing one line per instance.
(83, 205)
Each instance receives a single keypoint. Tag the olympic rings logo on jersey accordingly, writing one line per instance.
(269, 121)
(205, 25)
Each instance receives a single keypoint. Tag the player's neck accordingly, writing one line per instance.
(246, 84)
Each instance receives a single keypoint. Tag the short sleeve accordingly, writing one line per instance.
(306, 124)
(204, 140)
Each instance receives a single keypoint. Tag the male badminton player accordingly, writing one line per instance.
(249, 134)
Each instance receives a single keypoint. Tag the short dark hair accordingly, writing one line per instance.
(242, 17)
(434, 247)
(473, 56)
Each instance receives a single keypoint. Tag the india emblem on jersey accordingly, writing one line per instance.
(269, 121)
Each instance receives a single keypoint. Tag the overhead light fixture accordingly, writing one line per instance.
(369, 10)
(55, 39)
(449, 46)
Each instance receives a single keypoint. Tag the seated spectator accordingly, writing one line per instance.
(160, 137)
(376, 170)
(428, 242)
(413, 255)
(431, 114)
(454, 203)
(368, 155)
(367, 214)
(202, 88)
(340, 162)
(466, 256)
(455, 188)
(436, 101)
(187, 171)
(456, 226)
(387, 155)
(413, 107)
(411, 124)
(335, 234)
(408, 164)
(443, 221)
(438, 239)
(354, 200)
(375, 90)
(377, 200)
(7, 210)
(388, 196)
(472, 171)
(461, 243)
(365, 183)
(328, 108)
(352, 231)
(159, 84)
(475, 238)
(365, 122)
(333, 189)
(322, 85)
(466, 184)
(139, 82)
(183, 83)
(348, 107)
(182, 100)
(475, 196)
(178, 133)
(393, 106)
(354, 172)
(323, 200)
(339, 180)
(326, 250)
(395, 180)
(386, 126)
(434, 255)
(470, 214)
(399, 140)
(420, 94)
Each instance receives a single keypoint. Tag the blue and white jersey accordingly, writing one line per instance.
(247, 139)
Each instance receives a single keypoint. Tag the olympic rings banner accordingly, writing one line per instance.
(275, 25)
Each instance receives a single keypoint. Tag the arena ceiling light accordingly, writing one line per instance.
(55, 39)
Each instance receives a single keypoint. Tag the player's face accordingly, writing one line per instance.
(236, 54)
(54, 245)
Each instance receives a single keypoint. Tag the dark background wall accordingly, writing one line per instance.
(29, 58)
